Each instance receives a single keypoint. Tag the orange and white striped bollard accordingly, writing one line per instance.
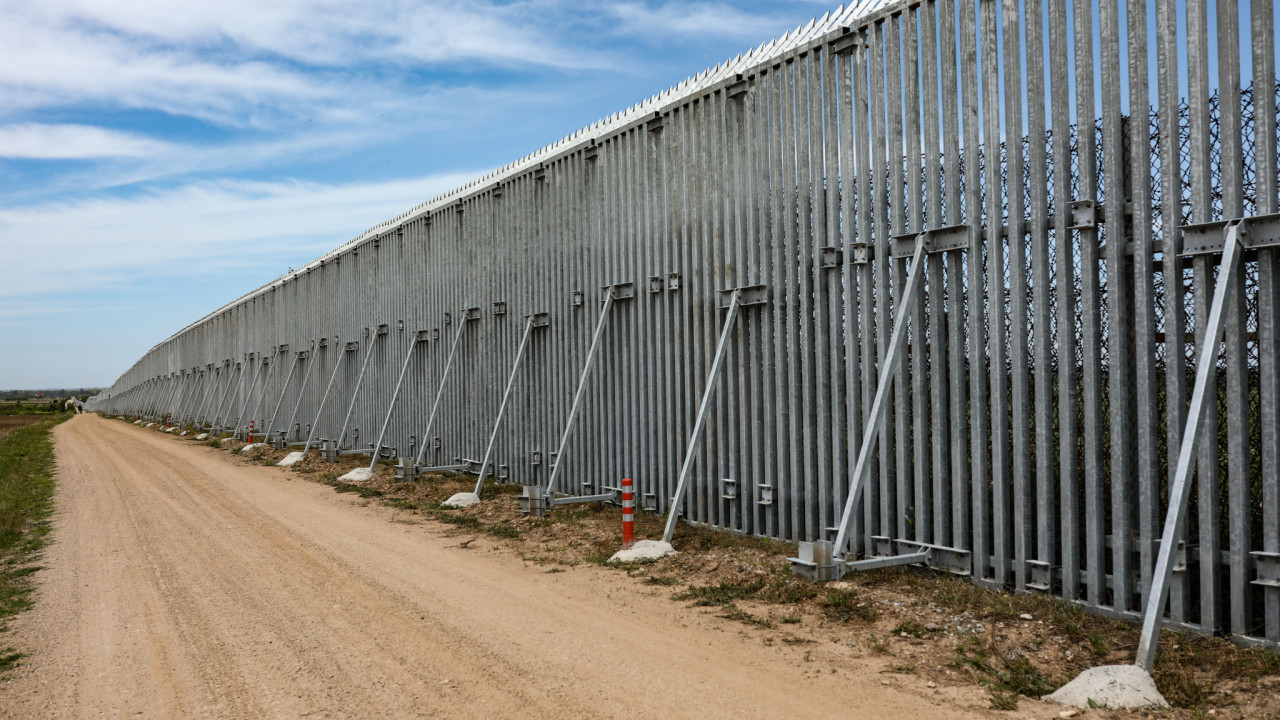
(628, 515)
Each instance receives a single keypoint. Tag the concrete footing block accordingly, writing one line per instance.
(643, 550)
(1110, 686)
(461, 500)
(358, 475)
(202, 436)
(290, 459)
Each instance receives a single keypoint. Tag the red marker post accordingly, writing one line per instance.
(250, 432)
(628, 515)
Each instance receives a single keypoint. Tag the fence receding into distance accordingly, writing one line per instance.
(1060, 177)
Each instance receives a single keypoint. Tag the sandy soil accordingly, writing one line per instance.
(183, 583)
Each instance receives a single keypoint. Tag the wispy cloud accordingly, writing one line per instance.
(69, 141)
(195, 230)
(248, 64)
(697, 19)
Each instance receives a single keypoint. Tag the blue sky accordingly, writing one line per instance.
(158, 159)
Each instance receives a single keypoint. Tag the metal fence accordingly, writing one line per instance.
(1045, 344)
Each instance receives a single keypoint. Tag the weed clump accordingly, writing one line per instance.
(722, 594)
(845, 606)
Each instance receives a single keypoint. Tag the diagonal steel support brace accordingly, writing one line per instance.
(315, 424)
(235, 426)
(355, 394)
(1180, 488)
(226, 396)
(395, 394)
(737, 297)
(880, 406)
(531, 321)
(467, 316)
(284, 390)
(266, 382)
(620, 291)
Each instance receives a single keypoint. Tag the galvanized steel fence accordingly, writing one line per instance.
(1047, 345)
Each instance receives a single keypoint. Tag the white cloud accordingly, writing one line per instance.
(698, 19)
(244, 63)
(193, 229)
(67, 141)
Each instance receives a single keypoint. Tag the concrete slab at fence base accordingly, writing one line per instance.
(137, 422)
(202, 436)
(461, 500)
(643, 550)
(1111, 686)
(358, 475)
(290, 459)
(184, 433)
(169, 429)
(252, 446)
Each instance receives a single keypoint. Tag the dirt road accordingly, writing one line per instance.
(182, 583)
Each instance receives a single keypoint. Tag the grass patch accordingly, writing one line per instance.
(1007, 675)
(723, 593)
(26, 499)
(733, 612)
(362, 491)
(845, 606)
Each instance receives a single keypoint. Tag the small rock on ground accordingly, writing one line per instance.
(643, 550)
(1112, 686)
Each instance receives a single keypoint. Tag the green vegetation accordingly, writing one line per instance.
(26, 499)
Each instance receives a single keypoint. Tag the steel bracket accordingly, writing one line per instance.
(861, 253)
(830, 257)
(471, 313)
(655, 284)
(1085, 214)
(1257, 231)
(575, 298)
(382, 329)
(499, 308)
(747, 295)
(1268, 568)
(533, 502)
(766, 495)
(881, 546)
(1041, 575)
(817, 562)
(539, 319)
(406, 471)
(728, 489)
(620, 291)
(536, 459)
(943, 239)
(468, 465)
(846, 42)
(673, 282)
(737, 88)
